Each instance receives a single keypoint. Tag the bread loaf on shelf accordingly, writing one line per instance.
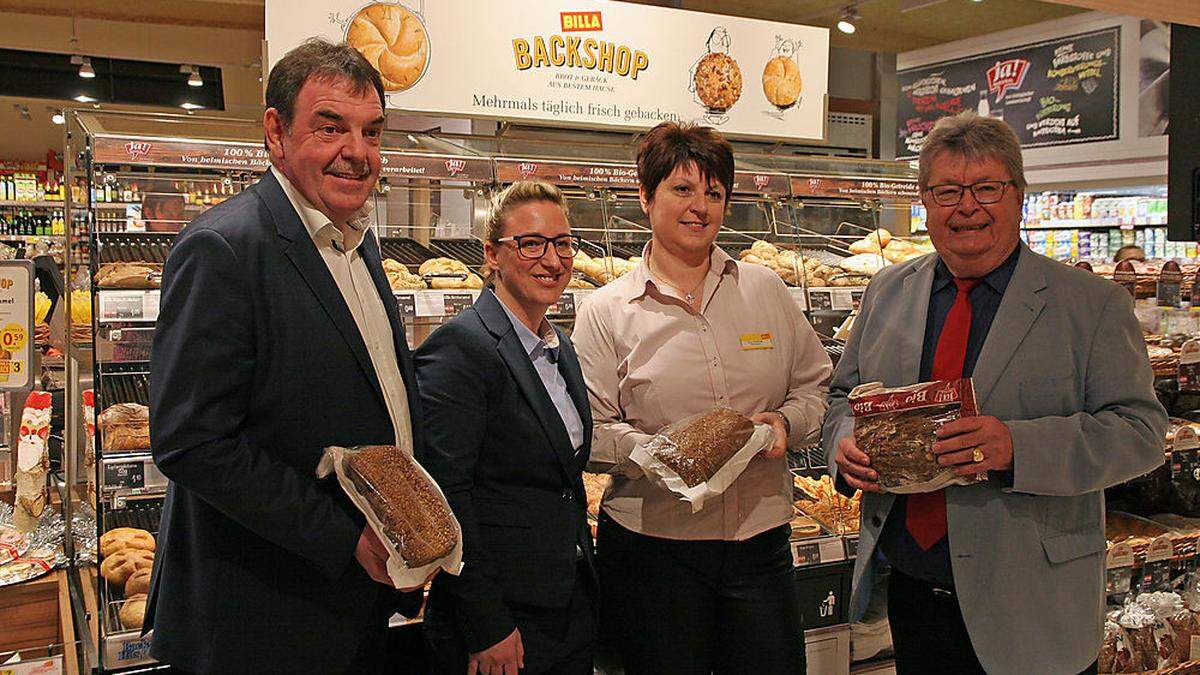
(125, 427)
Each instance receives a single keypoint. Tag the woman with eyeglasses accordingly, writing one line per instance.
(689, 330)
(508, 431)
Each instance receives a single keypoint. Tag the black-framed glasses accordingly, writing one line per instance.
(985, 192)
(533, 246)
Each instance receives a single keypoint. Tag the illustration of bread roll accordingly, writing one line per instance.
(393, 39)
(781, 81)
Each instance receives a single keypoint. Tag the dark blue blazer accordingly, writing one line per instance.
(498, 448)
(257, 366)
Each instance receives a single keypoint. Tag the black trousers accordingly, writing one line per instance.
(672, 607)
(928, 631)
(557, 641)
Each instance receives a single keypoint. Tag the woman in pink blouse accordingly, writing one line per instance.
(689, 330)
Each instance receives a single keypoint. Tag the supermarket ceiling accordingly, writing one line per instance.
(885, 25)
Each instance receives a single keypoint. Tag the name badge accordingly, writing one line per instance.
(757, 341)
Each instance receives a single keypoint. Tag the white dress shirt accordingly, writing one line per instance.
(343, 257)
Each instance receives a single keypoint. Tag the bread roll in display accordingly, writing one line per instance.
(125, 427)
(120, 538)
(133, 611)
(129, 275)
(138, 582)
(413, 514)
(118, 567)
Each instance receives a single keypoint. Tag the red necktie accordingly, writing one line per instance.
(925, 516)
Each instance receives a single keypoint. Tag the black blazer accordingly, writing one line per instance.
(257, 367)
(498, 448)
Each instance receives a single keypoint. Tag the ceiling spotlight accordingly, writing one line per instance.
(190, 106)
(846, 22)
(56, 116)
(85, 66)
(194, 79)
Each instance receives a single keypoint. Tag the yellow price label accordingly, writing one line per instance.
(13, 337)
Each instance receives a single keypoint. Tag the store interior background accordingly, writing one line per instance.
(864, 91)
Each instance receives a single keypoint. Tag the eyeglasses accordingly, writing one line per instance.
(985, 192)
(533, 246)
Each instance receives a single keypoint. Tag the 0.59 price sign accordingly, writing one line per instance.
(16, 324)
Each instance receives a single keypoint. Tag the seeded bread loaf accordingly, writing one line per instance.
(705, 444)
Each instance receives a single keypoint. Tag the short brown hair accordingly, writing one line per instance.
(974, 137)
(321, 59)
(515, 195)
(670, 145)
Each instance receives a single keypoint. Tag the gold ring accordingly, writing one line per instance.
(977, 456)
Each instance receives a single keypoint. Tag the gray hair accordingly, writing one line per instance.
(321, 59)
(973, 137)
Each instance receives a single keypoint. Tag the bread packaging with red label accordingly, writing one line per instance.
(897, 427)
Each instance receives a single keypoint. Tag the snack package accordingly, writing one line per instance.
(700, 456)
(33, 461)
(896, 428)
(404, 507)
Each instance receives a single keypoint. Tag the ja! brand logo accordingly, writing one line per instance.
(1005, 75)
(527, 169)
(456, 166)
(137, 149)
(761, 181)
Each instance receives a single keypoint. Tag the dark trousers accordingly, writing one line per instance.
(557, 641)
(928, 632)
(672, 607)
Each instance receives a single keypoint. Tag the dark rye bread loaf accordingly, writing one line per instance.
(705, 444)
(414, 516)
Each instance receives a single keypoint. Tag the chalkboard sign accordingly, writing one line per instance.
(1051, 93)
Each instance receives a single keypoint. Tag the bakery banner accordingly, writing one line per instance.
(581, 62)
(1055, 92)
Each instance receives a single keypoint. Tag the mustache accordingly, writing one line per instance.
(349, 168)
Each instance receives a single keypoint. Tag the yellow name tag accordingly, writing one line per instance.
(757, 341)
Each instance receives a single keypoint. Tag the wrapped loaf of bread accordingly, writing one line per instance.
(414, 515)
(897, 428)
(125, 427)
(704, 444)
(129, 275)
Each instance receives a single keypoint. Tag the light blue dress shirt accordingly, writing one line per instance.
(543, 352)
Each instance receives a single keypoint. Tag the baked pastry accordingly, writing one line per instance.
(400, 278)
(443, 266)
(118, 567)
(129, 275)
(705, 444)
(803, 526)
(133, 611)
(414, 516)
(781, 81)
(120, 538)
(718, 81)
(138, 582)
(125, 427)
(594, 485)
(393, 40)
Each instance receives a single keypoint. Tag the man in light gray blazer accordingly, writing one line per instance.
(1004, 576)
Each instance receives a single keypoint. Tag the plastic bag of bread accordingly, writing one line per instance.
(700, 456)
(404, 507)
(896, 428)
(125, 427)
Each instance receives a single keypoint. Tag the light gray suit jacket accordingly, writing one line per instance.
(1065, 367)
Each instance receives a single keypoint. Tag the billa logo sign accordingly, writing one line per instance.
(527, 169)
(137, 149)
(761, 181)
(1005, 75)
(456, 166)
(573, 22)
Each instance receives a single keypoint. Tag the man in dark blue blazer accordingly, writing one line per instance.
(508, 432)
(278, 336)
